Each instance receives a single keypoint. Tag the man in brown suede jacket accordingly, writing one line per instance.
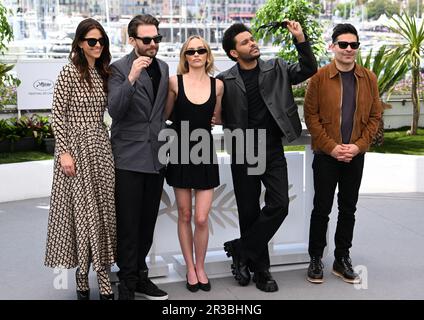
(342, 111)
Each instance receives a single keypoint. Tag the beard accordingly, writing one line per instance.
(249, 57)
(151, 51)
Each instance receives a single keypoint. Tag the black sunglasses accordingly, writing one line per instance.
(343, 44)
(191, 52)
(93, 41)
(147, 40)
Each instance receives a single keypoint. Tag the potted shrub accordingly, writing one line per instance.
(21, 136)
(43, 133)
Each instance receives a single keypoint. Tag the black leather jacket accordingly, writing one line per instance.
(275, 80)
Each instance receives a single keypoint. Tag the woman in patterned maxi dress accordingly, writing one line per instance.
(82, 225)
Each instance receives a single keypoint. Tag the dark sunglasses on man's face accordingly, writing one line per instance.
(148, 40)
(93, 41)
(343, 44)
(191, 52)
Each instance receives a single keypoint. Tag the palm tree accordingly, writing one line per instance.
(389, 68)
(387, 64)
(411, 50)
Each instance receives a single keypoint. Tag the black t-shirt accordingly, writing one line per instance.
(259, 116)
(154, 73)
(348, 104)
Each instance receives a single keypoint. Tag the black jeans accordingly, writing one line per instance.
(258, 226)
(137, 198)
(328, 172)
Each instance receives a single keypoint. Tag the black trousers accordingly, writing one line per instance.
(258, 226)
(137, 197)
(328, 173)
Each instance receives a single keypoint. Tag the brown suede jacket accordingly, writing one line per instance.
(322, 108)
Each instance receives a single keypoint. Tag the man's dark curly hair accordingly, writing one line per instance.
(343, 28)
(228, 40)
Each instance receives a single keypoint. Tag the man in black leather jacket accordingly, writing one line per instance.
(258, 98)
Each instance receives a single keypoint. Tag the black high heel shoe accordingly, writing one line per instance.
(83, 295)
(107, 296)
(192, 287)
(205, 286)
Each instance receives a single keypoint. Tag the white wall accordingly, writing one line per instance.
(25, 180)
(401, 113)
(392, 173)
(382, 173)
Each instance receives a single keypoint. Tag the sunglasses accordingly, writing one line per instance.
(93, 41)
(191, 52)
(344, 44)
(148, 40)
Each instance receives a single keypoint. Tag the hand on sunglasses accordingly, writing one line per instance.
(138, 65)
(93, 41)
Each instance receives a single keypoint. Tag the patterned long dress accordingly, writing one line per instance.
(82, 222)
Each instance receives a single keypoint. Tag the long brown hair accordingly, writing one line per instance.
(78, 58)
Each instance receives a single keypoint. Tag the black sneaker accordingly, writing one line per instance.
(147, 289)
(264, 281)
(342, 268)
(315, 273)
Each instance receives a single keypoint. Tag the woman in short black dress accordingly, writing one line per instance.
(194, 98)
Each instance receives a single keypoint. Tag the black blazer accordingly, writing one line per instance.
(137, 117)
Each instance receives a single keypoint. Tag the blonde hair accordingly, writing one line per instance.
(183, 64)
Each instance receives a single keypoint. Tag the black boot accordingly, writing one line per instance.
(239, 266)
(315, 270)
(264, 281)
(147, 289)
(342, 268)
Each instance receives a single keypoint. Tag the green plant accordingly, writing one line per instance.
(9, 130)
(388, 65)
(6, 32)
(411, 51)
(305, 12)
(35, 126)
(6, 35)
(41, 128)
